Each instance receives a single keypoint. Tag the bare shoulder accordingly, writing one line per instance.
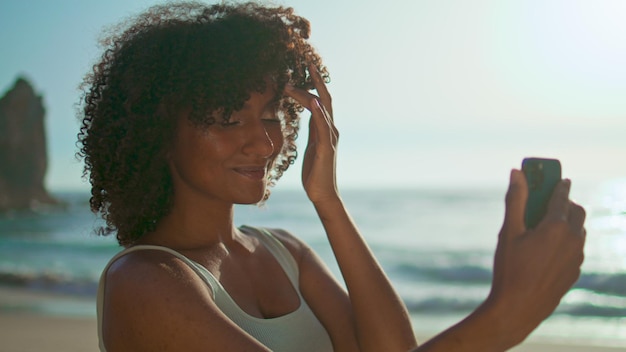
(154, 301)
(152, 275)
(142, 287)
(147, 266)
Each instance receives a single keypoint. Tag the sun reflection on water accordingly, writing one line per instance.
(606, 228)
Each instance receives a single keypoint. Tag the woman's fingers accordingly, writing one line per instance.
(576, 218)
(320, 114)
(313, 137)
(303, 97)
(323, 122)
(558, 208)
(320, 86)
(516, 198)
(320, 107)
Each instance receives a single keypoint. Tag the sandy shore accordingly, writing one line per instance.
(547, 346)
(28, 322)
(33, 333)
(26, 332)
(553, 347)
(25, 327)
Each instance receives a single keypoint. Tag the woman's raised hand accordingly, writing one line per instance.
(318, 166)
(359, 326)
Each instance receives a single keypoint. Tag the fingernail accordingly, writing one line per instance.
(515, 176)
(315, 73)
(568, 184)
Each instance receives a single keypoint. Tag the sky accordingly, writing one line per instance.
(427, 93)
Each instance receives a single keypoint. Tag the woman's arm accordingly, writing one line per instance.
(381, 321)
(532, 270)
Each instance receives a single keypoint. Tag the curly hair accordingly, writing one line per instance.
(204, 58)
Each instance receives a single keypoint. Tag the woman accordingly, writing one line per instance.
(193, 109)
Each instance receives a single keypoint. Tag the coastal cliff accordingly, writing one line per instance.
(23, 154)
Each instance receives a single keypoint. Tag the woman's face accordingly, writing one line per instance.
(228, 163)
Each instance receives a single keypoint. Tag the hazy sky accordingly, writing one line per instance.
(430, 92)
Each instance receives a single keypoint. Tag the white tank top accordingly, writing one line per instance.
(299, 330)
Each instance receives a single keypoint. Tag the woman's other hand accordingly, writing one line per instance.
(318, 166)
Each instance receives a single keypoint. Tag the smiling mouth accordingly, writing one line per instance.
(254, 173)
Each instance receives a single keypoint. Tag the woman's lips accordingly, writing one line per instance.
(255, 173)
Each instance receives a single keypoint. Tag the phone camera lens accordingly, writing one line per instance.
(535, 179)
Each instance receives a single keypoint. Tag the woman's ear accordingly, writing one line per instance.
(167, 112)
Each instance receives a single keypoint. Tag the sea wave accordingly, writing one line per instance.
(446, 273)
(451, 305)
(591, 310)
(614, 284)
(457, 274)
(441, 305)
(50, 283)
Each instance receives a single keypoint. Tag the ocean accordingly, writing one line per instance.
(436, 245)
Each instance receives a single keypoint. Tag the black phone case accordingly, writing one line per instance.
(542, 175)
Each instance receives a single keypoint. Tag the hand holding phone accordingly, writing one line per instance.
(533, 269)
(542, 175)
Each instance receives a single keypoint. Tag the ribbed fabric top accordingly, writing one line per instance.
(299, 330)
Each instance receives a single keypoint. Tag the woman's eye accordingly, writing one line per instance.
(272, 120)
(230, 123)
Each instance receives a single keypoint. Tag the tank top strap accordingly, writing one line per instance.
(279, 251)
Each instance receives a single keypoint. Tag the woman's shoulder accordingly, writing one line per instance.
(147, 270)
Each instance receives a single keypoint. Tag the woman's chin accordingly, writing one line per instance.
(254, 198)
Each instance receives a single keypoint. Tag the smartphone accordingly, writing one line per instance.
(542, 175)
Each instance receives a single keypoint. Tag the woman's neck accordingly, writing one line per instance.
(192, 225)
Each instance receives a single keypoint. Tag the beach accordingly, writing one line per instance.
(27, 332)
(36, 333)
(28, 322)
(31, 330)
(50, 265)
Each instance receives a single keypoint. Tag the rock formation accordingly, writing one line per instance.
(23, 156)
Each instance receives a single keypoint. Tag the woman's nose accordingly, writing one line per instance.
(259, 141)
